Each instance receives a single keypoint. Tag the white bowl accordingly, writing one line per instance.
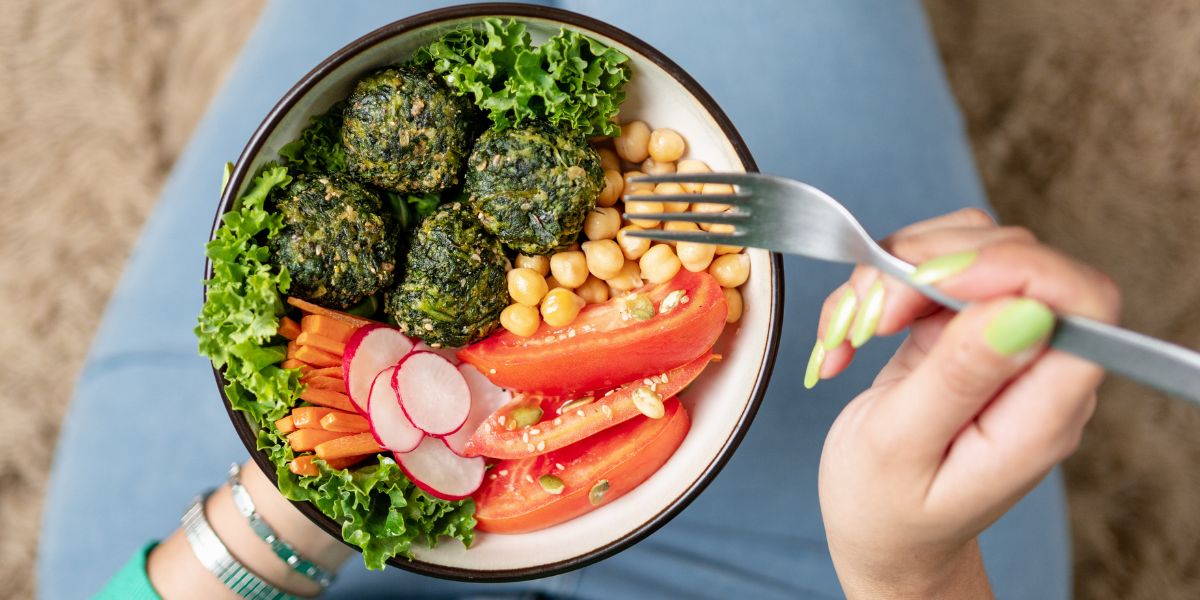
(722, 402)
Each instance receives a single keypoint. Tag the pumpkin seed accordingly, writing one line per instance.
(526, 416)
(596, 495)
(551, 484)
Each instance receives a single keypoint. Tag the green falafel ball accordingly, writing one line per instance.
(403, 130)
(454, 282)
(533, 186)
(337, 242)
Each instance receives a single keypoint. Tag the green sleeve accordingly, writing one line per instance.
(131, 582)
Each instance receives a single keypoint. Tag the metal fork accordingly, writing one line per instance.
(793, 217)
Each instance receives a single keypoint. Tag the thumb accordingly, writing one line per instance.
(977, 354)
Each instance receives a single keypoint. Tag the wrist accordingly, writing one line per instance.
(957, 573)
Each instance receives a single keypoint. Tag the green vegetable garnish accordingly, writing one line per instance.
(319, 147)
(571, 80)
(380, 510)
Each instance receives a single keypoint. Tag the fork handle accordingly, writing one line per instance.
(1154, 362)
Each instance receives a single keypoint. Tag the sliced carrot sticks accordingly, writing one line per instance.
(289, 328)
(328, 398)
(285, 425)
(349, 445)
(303, 464)
(344, 422)
(322, 343)
(303, 440)
(334, 372)
(342, 463)
(309, 417)
(327, 383)
(338, 315)
(327, 327)
(316, 358)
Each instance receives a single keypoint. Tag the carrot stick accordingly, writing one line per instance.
(328, 398)
(289, 328)
(303, 466)
(309, 417)
(320, 342)
(303, 440)
(344, 422)
(292, 363)
(285, 425)
(327, 383)
(334, 372)
(327, 327)
(314, 309)
(342, 463)
(348, 445)
(315, 357)
(292, 347)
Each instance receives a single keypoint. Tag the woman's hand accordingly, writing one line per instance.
(967, 417)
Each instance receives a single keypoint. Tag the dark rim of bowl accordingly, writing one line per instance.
(241, 172)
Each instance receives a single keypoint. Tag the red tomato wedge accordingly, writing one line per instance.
(609, 343)
(519, 495)
(565, 422)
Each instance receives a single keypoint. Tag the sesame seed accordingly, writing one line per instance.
(559, 466)
(492, 371)
(647, 381)
(558, 420)
(525, 437)
(571, 333)
(502, 419)
(503, 472)
(541, 446)
(579, 412)
(493, 477)
(528, 478)
(664, 377)
(534, 431)
(529, 447)
(608, 414)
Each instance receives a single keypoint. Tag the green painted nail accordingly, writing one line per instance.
(839, 321)
(943, 267)
(868, 315)
(813, 373)
(1019, 326)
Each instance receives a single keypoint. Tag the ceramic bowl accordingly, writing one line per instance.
(722, 402)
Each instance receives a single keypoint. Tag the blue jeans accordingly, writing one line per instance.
(848, 95)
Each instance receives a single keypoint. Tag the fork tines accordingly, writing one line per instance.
(735, 217)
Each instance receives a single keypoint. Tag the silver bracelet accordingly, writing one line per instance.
(288, 554)
(215, 556)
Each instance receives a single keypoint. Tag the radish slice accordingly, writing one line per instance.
(440, 472)
(432, 393)
(449, 354)
(486, 398)
(389, 425)
(368, 351)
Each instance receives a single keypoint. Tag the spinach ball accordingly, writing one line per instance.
(454, 281)
(404, 131)
(533, 186)
(338, 242)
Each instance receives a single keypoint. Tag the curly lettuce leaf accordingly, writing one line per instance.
(319, 148)
(380, 510)
(570, 81)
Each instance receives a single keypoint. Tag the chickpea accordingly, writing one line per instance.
(679, 226)
(594, 290)
(659, 263)
(541, 264)
(724, 228)
(569, 268)
(666, 145)
(663, 189)
(604, 258)
(641, 208)
(614, 186)
(730, 270)
(695, 257)
(653, 167)
(608, 159)
(602, 224)
(560, 307)
(632, 247)
(637, 188)
(692, 166)
(526, 286)
(520, 319)
(633, 145)
(552, 283)
(630, 278)
(733, 300)
(712, 188)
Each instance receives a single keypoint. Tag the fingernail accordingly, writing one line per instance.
(868, 315)
(839, 321)
(943, 267)
(1019, 326)
(813, 373)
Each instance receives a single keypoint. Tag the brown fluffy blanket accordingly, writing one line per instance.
(1084, 118)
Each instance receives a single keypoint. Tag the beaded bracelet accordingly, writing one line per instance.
(215, 556)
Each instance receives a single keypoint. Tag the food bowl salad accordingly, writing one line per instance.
(427, 308)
